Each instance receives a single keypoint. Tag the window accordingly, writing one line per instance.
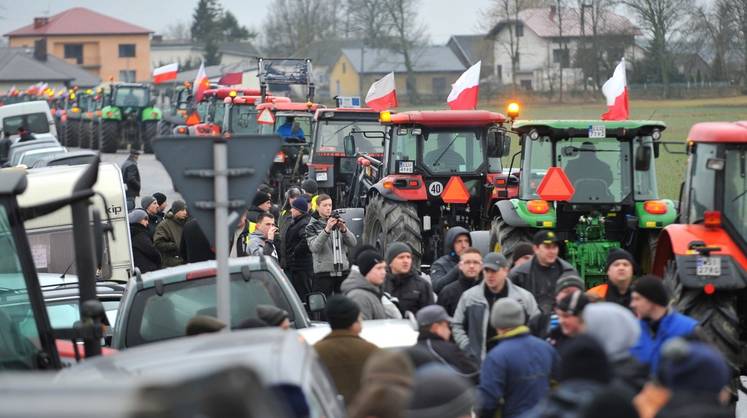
(36, 122)
(244, 120)
(74, 51)
(561, 56)
(452, 152)
(131, 97)
(127, 76)
(735, 202)
(332, 134)
(526, 85)
(702, 196)
(519, 30)
(439, 86)
(126, 50)
(645, 181)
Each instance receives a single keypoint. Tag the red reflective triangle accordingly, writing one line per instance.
(455, 191)
(265, 117)
(555, 185)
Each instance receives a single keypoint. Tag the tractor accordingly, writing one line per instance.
(90, 119)
(602, 179)
(703, 259)
(129, 118)
(78, 103)
(180, 103)
(207, 115)
(440, 169)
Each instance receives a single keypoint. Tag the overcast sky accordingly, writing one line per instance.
(440, 16)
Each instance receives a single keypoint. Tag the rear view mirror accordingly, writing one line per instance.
(643, 158)
(349, 144)
(499, 144)
(317, 302)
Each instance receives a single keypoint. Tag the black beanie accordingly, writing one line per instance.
(160, 197)
(574, 303)
(396, 248)
(620, 254)
(261, 197)
(652, 288)
(583, 358)
(342, 312)
(367, 259)
(522, 249)
(178, 206)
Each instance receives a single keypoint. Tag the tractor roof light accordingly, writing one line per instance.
(534, 135)
(539, 207)
(513, 110)
(712, 219)
(232, 93)
(385, 116)
(655, 207)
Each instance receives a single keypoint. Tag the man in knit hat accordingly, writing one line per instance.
(544, 323)
(363, 285)
(650, 302)
(403, 283)
(570, 322)
(145, 256)
(168, 237)
(621, 268)
(440, 393)
(161, 199)
(516, 373)
(150, 206)
(299, 263)
(523, 252)
(343, 351)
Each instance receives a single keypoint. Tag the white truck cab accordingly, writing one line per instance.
(35, 116)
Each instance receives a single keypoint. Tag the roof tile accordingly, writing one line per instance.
(80, 21)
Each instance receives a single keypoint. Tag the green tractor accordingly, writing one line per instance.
(90, 120)
(129, 119)
(77, 104)
(593, 183)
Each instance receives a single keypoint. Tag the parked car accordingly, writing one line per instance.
(82, 157)
(17, 149)
(28, 158)
(385, 333)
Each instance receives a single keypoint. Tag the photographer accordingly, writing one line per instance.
(329, 238)
(261, 241)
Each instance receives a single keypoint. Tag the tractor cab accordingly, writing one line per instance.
(129, 118)
(241, 113)
(210, 111)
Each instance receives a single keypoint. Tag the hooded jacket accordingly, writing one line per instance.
(445, 270)
(365, 294)
(320, 244)
(540, 281)
(260, 245)
(648, 348)
(411, 291)
(167, 239)
(144, 254)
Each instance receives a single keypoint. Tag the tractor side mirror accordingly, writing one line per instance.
(499, 145)
(349, 145)
(643, 158)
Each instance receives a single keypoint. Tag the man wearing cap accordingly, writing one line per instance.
(472, 329)
(168, 237)
(144, 253)
(363, 285)
(343, 351)
(273, 316)
(435, 337)
(516, 373)
(470, 274)
(445, 270)
(570, 322)
(621, 268)
(150, 206)
(298, 264)
(403, 283)
(539, 275)
(658, 323)
(262, 240)
(131, 178)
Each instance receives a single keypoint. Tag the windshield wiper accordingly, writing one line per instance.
(445, 149)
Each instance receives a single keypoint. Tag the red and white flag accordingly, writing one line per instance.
(464, 91)
(201, 83)
(382, 94)
(165, 73)
(616, 92)
(231, 79)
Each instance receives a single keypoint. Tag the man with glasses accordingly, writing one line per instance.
(470, 274)
(261, 241)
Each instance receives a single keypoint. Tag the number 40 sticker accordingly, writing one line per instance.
(436, 188)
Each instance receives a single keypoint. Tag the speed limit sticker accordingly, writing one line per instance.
(436, 188)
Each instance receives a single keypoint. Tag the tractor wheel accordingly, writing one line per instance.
(164, 128)
(109, 137)
(647, 249)
(95, 134)
(71, 134)
(148, 131)
(503, 237)
(84, 134)
(387, 221)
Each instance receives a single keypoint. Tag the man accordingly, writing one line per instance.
(435, 337)
(438, 392)
(262, 203)
(446, 269)
(131, 178)
(516, 373)
(570, 322)
(144, 254)
(24, 134)
(290, 131)
(363, 285)
(343, 351)
(150, 206)
(161, 199)
(262, 240)
(403, 283)
(472, 330)
(539, 275)
(168, 235)
(273, 316)
(588, 166)
(310, 190)
(299, 263)
(470, 274)
(621, 268)
(544, 323)
(284, 222)
(320, 235)
(195, 246)
(658, 323)
(444, 158)
(523, 253)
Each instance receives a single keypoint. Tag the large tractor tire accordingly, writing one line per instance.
(504, 237)
(84, 133)
(149, 131)
(165, 128)
(109, 136)
(95, 134)
(387, 221)
(71, 133)
(62, 133)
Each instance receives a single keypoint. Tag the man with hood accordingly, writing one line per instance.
(168, 235)
(403, 283)
(144, 254)
(470, 274)
(445, 270)
(363, 285)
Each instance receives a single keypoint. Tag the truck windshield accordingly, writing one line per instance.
(131, 97)
(332, 134)
(35, 122)
(452, 151)
(243, 120)
(735, 189)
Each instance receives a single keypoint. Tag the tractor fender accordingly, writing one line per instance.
(481, 241)
(675, 239)
(385, 193)
(732, 277)
(111, 113)
(151, 113)
(508, 212)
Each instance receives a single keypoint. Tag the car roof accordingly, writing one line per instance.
(69, 290)
(34, 151)
(719, 132)
(179, 273)
(46, 161)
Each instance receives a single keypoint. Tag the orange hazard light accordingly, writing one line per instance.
(555, 185)
(193, 119)
(455, 191)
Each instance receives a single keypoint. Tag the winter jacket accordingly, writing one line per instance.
(297, 253)
(472, 316)
(153, 221)
(144, 254)
(671, 325)
(131, 177)
(540, 281)
(686, 404)
(515, 375)
(445, 270)
(320, 244)
(411, 291)
(567, 401)
(259, 245)
(449, 354)
(365, 294)
(610, 293)
(195, 246)
(449, 296)
(283, 224)
(344, 354)
(167, 240)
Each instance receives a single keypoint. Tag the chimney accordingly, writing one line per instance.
(553, 12)
(40, 21)
(40, 50)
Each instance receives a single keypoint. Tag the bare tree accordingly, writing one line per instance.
(713, 28)
(177, 30)
(368, 20)
(295, 24)
(406, 36)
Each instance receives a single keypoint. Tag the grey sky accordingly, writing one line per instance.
(440, 16)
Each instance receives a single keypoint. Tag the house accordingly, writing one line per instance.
(324, 55)
(107, 47)
(436, 68)
(23, 67)
(473, 48)
(541, 49)
(188, 54)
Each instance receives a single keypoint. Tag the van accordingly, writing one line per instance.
(51, 236)
(35, 116)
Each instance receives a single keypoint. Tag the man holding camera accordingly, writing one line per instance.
(261, 241)
(329, 238)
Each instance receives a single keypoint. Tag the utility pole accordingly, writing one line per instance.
(562, 51)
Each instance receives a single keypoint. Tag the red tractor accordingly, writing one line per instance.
(703, 259)
(207, 117)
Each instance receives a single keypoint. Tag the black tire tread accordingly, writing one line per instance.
(109, 139)
(399, 222)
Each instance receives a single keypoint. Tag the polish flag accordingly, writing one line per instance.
(383, 93)
(201, 83)
(165, 73)
(231, 79)
(616, 92)
(464, 91)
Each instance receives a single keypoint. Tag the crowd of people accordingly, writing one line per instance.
(498, 337)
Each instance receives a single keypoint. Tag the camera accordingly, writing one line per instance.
(336, 213)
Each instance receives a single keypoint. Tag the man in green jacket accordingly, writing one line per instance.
(168, 235)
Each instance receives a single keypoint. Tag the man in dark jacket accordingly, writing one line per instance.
(470, 274)
(570, 323)
(144, 254)
(150, 206)
(169, 234)
(539, 275)
(299, 264)
(445, 270)
(131, 178)
(161, 199)
(284, 222)
(411, 291)
(195, 246)
(435, 337)
(621, 269)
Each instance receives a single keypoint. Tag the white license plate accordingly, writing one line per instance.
(321, 176)
(708, 266)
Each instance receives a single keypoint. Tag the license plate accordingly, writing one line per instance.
(708, 266)
(321, 176)
(597, 131)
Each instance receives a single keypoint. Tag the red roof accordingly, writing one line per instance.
(79, 21)
(720, 132)
(448, 118)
